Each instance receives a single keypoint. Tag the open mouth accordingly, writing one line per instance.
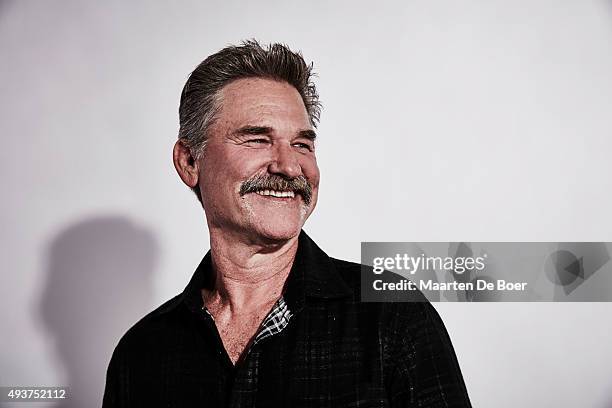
(277, 188)
(274, 193)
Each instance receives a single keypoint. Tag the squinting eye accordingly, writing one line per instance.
(303, 146)
(258, 141)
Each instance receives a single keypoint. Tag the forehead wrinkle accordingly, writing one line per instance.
(267, 105)
(264, 86)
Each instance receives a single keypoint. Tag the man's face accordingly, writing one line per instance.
(262, 138)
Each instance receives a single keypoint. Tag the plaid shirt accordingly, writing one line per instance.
(320, 346)
(275, 321)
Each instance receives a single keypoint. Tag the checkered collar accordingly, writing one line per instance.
(275, 322)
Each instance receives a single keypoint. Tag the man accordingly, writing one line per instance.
(268, 319)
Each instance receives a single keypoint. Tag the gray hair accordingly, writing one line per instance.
(200, 99)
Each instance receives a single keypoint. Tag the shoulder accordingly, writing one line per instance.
(149, 331)
(410, 311)
(403, 323)
(350, 272)
(357, 275)
(139, 354)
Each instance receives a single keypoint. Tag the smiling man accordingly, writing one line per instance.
(268, 319)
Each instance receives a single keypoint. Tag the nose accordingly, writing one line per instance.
(285, 162)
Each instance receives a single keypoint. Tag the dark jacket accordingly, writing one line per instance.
(336, 351)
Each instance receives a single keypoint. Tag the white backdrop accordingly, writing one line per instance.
(464, 120)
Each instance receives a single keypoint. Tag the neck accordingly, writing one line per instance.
(247, 275)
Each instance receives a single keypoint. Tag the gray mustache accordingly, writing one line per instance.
(273, 182)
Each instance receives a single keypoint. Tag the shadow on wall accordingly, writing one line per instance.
(99, 283)
(3, 4)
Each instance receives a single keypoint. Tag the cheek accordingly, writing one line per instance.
(227, 169)
(311, 171)
(216, 181)
(216, 166)
(209, 174)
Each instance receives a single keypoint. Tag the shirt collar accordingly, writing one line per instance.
(313, 275)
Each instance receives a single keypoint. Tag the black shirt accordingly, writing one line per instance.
(335, 350)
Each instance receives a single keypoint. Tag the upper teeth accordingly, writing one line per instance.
(276, 193)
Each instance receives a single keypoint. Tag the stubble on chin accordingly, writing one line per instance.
(251, 215)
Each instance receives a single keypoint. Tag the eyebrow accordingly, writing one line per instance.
(308, 134)
(263, 130)
(253, 130)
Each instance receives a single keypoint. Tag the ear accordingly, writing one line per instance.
(185, 163)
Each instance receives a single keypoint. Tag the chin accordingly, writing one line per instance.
(274, 221)
(278, 231)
